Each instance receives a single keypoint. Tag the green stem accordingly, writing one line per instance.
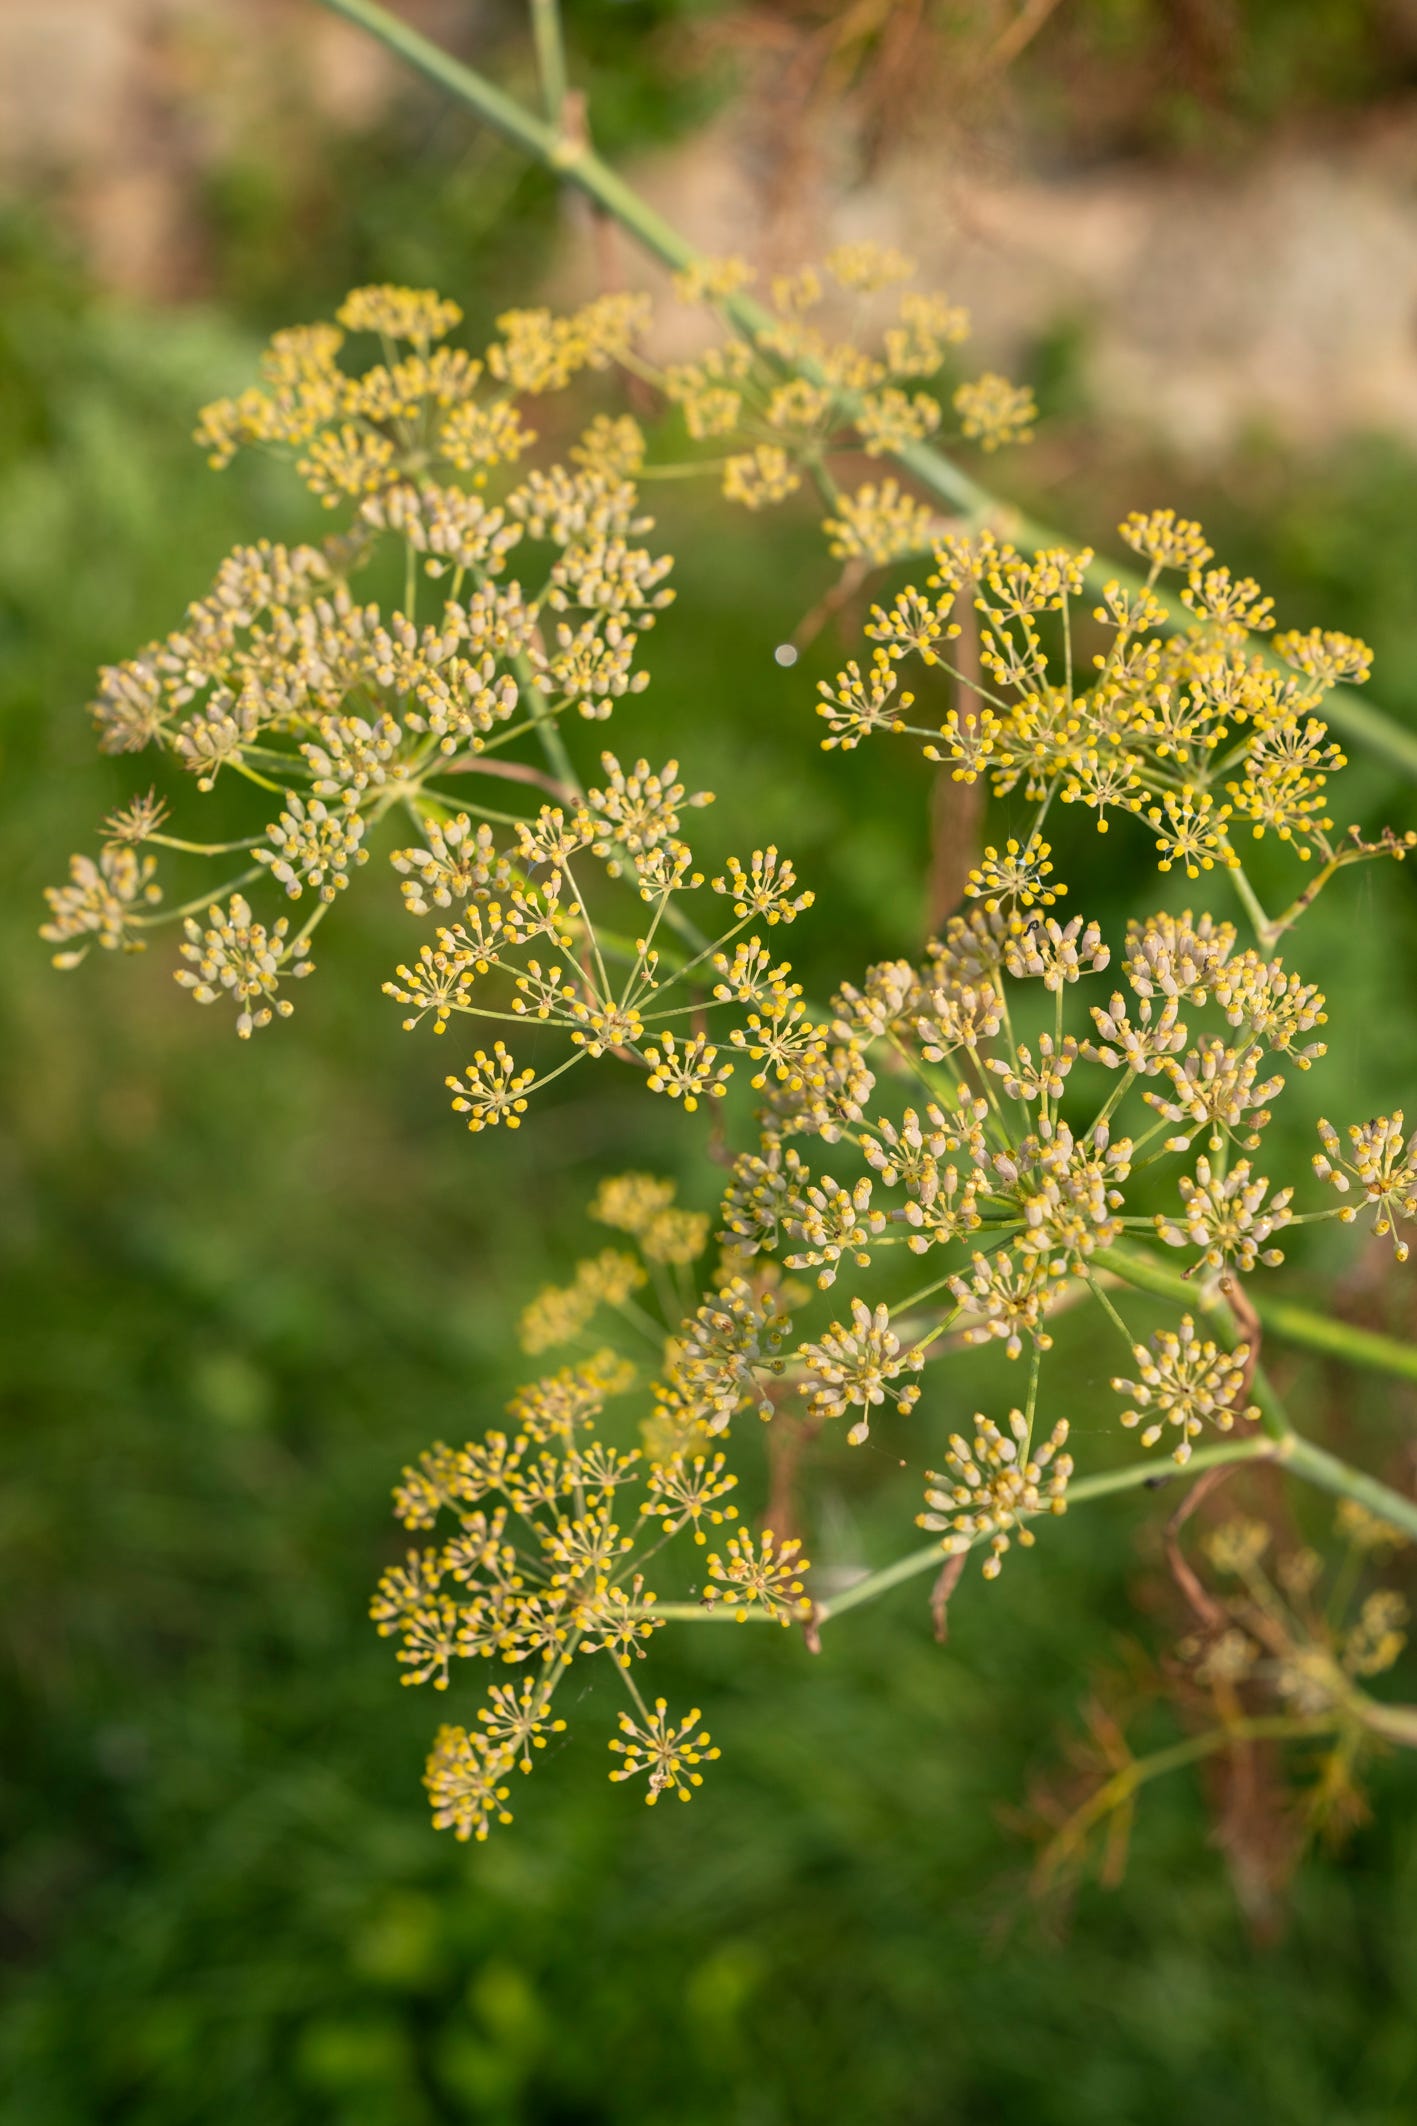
(1395, 1723)
(1330, 1474)
(579, 165)
(1133, 1477)
(171, 841)
(1118, 1790)
(1291, 1323)
(499, 109)
(1338, 1339)
(543, 718)
(550, 56)
(1273, 1415)
(1110, 1311)
(262, 782)
(1262, 925)
(202, 902)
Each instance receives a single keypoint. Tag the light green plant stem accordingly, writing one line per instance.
(932, 1558)
(1396, 1723)
(1300, 1455)
(578, 164)
(1264, 928)
(1279, 1317)
(1375, 1353)
(1258, 1727)
(1330, 1474)
(543, 717)
(550, 56)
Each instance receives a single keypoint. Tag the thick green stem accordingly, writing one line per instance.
(579, 165)
(1375, 1353)
(543, 718)
(1263, 927)
(1330, 1474)
(491, 103)
(1293, 1324)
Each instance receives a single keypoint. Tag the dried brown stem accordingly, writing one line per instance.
(511, 771)
(1211, 1613)
(940, 1594)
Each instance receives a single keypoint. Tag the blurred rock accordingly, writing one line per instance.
(1280, 294)
(117, 108)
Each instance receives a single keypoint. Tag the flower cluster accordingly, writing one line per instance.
(1383, 1166)
(795, 380)
(348, 721)
(993, 1487)
(554, 1527)
(667, 1754)
(855, 1367)
(1204, 735)
(945, 1130)
(551, 1528)
(1185, 1381)
(989, 1157)
(953, 1149)
(1040, 1164)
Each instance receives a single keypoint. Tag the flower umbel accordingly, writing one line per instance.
(992, 1488)
(1186, 1381)
(1382, 1164)
(667, 1754)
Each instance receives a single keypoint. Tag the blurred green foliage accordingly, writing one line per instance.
(242, 1284)
(424, 193)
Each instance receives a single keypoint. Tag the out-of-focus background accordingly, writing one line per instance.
(242, 1284)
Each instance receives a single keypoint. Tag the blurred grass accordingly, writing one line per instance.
(242, 1284)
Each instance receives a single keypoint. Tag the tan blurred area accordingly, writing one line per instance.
(1273, 285)
(1282, 293)
(116, 107)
